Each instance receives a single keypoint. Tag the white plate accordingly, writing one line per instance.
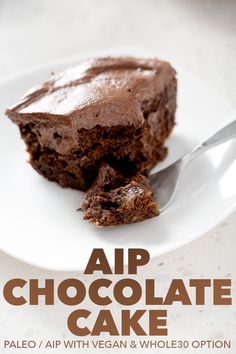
(38, 219)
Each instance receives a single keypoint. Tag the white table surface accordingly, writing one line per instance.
(201, 35)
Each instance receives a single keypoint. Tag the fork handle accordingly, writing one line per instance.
(224, 134)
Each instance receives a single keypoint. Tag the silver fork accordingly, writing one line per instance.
(165, 182)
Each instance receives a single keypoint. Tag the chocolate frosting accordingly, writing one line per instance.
(102, 91)
(95, 91)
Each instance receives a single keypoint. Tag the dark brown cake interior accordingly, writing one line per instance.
(115, 200)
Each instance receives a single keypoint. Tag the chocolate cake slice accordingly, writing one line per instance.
(114, 110)
(100, 127)
(114, 200)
